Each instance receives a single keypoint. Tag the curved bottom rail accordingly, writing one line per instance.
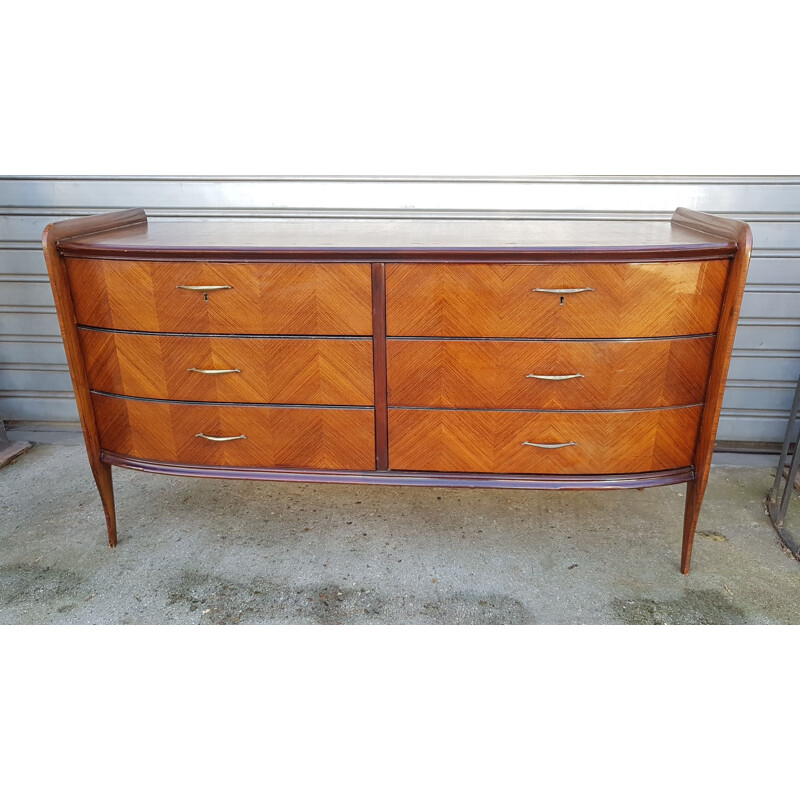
(640, 480)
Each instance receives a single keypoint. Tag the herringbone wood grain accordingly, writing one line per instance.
(303, 371)
(312, 438)
(291, 299)
(491, 441)
(492, 374)
(497, 300)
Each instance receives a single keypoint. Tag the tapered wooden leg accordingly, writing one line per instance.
(694, 500)
(102, 477)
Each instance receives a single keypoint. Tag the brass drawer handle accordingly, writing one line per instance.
(212, 371)
(564, 291)
(551, 446)
(218, 438)
(203, 288)
(556, 377)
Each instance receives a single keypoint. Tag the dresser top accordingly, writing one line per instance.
(400, 239)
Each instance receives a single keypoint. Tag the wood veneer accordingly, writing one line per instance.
(295, 371)
(438, 440)
(289, 299)
(498, 300)
(314, 438)
(312, 305)
(453, 373)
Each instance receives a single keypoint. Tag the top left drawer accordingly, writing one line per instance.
(188, 297)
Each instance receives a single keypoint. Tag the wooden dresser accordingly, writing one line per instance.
(473, 353)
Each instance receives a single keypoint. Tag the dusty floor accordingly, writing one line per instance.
(198, 551)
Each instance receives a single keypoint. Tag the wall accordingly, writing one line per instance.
(35, 389)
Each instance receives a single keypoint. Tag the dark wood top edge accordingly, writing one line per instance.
(443, 254)
(639, 480)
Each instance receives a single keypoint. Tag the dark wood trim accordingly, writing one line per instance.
(534, 339)
(452, 255)
(581, 411)
(398, 478)
(53, 234)
(720, 361)
(231, 335)
(219, 403)
(379, 364)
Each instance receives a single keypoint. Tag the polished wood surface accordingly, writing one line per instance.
(334, 372)
(452, 373)
(463, 480)
(498, 300)
(59, 282)
(314, 438)
(446, 279)
(714, 226)
(492, 441)
(290, 299)
(403, 239)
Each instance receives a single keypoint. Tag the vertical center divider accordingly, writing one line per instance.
(379, 366)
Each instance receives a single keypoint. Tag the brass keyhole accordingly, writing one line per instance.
(205, 297)
(560, 303)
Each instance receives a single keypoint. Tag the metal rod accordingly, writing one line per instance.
(786, 441)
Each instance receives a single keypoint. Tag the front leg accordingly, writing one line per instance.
(102, 477)
(694, 499)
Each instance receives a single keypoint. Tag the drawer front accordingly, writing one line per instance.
(311, 438)
(548, 375)
(492, 441)
(292, 299)
(501, 300)
(302, 371)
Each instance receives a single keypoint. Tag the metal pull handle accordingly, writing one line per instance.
(212, 371)
(551, 446)
(218, 438)
(556, 377)
(564, 291)
(203, 288)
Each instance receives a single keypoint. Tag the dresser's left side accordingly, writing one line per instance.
(53, 234)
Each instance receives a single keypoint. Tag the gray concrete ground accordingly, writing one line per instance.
(196, 551)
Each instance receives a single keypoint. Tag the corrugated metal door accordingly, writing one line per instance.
(34, 382)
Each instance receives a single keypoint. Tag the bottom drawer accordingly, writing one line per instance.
(494, 441)
(312, 438)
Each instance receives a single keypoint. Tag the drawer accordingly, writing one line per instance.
(548, 375)
(292, 299)
(573, 301)
(493, 441)
(302, 371)
(312, 438)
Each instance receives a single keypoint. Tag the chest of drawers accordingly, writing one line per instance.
(467, 353)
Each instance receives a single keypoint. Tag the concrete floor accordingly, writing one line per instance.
(196, 551)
